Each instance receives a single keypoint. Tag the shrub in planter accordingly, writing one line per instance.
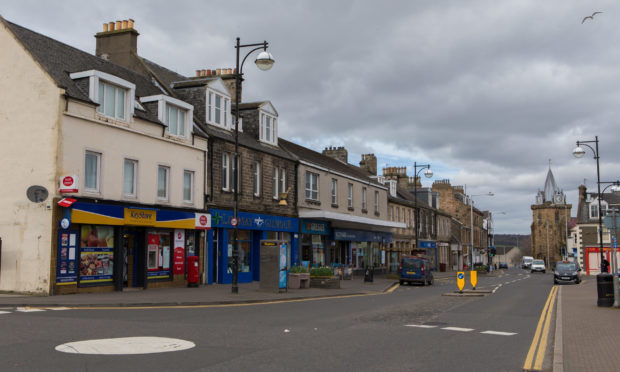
(322, 271)
(298, 270)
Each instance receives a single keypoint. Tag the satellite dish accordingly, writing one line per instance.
(37, 194)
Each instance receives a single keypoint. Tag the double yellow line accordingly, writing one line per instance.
(534, 360)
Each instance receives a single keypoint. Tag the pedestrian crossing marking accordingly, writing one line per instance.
(28, 310)
(5, 312)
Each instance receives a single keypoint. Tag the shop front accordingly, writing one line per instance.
(366, 248)
(251, 229)
(104, 247)
(314, 243)
(428, 249)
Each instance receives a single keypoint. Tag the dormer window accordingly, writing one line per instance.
(114, 95)
(218, 109)
(268, 129)
(594, 208)
(174, 113)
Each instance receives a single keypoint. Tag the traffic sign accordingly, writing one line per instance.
(460, 280)
(233, 221)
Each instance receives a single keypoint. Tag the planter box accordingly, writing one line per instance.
(298, 280)
(325, 282)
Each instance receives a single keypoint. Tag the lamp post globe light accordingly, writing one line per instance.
(428, 173)
(471, 216)
(264, 61)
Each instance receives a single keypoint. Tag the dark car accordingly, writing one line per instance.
(503, 265)
(567, 272)
(415, 270)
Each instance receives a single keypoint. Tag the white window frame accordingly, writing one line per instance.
(334, 191)
(350, 195)
(272, 138)
(223, 109)
(191, 186)
(166, 185)
(134, 181)
(364, 204)
(312, 188)
(282, 180)
(376, 201)
(257, 178)
(594, 207)
(163, 102)
(95, 77)
(275, 180)
(226, 186)
(97, 188)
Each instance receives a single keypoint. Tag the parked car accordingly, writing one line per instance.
(503, 265)
(567, 272)
(415, 270)
(538, 265)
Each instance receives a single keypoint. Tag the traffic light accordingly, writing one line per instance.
(492, 251)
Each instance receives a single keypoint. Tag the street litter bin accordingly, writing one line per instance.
(605, 289)
(193, 272)
(368, 274)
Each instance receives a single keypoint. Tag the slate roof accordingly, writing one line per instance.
(311, 156)
(59, 60)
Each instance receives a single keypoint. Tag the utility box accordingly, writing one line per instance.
(273, 265)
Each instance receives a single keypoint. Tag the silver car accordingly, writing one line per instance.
(538, 265)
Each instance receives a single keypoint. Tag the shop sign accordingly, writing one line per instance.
(203, 221)
(362, 236)
(68, 184)
(66, 269)
(179, 252)
(140, 217)
(427, 244)
(252, 221)
(314, 227)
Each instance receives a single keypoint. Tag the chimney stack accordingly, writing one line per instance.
(369, 163)
(119, 41)
(339, 153)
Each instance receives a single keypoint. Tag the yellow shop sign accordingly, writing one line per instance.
(140, 217)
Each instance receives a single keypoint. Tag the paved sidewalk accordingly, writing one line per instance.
(203, 295)
(590, 334)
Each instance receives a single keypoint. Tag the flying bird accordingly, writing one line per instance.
(590, 17)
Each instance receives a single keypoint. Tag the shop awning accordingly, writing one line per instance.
(334, 216)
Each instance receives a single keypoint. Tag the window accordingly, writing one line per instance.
(111, 100)
(218, 109)
(225, 172)
(363, 198)
(397, 214)
(188, 186)
(114, 95)
(256, 174)
(350, 196)
(275, 183)
(282, 180)
(312, 186)
(175, 120)
(594, 208)
(92, 171)
(268, 131)
(234, 182)
(162, 182)
(376, 201)
(129, 178)
(391, 212)
(334, 191)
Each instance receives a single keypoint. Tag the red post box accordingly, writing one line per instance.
(193, 271)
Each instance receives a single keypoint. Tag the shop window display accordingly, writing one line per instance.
(244, 242)
(96, 254)
(158, 255)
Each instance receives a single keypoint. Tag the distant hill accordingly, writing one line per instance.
(522, 241)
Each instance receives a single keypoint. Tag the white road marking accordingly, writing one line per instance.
(420, 326)
(126, 345)
(458, 329)
(496, 288)
(5, 312)
(58, 308)
(27, 310)
(498, 333)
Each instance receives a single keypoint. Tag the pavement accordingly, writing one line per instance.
(214, 294)
(587, 336)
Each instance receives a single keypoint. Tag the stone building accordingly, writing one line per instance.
(550, 218)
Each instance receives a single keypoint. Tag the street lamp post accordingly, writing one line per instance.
(471, 215)
(428, 174)
(264, 61)
(578, 152)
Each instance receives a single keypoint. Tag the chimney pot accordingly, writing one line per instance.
(118, 25)
(130, 23)
(197, 73)
(111, 26)
(124, 24)
(105, 27)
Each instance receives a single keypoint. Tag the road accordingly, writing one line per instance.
(411, 328)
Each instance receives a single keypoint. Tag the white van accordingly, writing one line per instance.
(526, 262)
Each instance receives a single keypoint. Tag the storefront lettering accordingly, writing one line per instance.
(140, 217)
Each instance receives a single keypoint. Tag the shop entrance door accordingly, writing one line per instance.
(133, 258)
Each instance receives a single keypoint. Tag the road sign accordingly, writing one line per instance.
(473, 277)
(233, 221)
(460, 280)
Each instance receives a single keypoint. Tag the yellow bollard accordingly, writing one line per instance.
(460, 280)
(473, 276)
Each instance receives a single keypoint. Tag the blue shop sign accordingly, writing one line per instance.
(254, 221)
(362, 236)
(314, 227)
(427, 244)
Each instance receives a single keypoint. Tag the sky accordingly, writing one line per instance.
(485, 91)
